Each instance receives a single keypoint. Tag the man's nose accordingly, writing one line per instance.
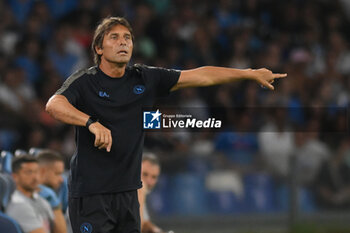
(122, 41)
(36, 177)
(149, 181)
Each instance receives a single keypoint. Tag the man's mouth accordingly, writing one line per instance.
(122, 52)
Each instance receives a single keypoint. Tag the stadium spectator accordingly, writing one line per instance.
(239, 146)
(310, 154)
(332, 184)
(21, 9)
(28, 58)
(62, 58)
(16, 97)
(51, 168)
(27, 207)
(51, 165)
(59, 8)
(150, 171)
(276, 144)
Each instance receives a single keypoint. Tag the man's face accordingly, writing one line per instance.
(52, 174)
(149, 174)
(117, 46)
(27, 177)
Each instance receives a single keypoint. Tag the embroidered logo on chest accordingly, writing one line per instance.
(139, 89)
(86, 228)
(103, 94)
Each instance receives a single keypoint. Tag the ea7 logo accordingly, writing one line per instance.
(151, 120)
(103, 94)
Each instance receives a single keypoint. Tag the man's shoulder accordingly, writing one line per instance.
(78, 77)
(142, 68)
(17, 197)
(139, 66)
(138, 70)
(83, 72)
(18, 202)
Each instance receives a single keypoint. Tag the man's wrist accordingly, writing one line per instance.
(250, 74)
(90, 121)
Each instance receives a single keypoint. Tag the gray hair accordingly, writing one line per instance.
(150, 157)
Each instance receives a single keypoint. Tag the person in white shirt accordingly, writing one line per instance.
(32, 212)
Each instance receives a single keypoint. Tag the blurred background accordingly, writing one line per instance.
(283, 172)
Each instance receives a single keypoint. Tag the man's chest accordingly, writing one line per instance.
(117, 101)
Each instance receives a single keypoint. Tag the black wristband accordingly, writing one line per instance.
(90, 121)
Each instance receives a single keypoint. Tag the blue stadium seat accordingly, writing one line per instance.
(34, 151)
(224, 202)
(6, 162)
(8, 138)
(3, 190)
(259, 193)
(307, 201)
(306, 204)
(8, 224)
(20, 152)
(198, 165)
(158, 200)
(7, 186)
(188, 194)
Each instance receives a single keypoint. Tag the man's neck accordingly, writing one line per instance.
(25, 192)
(113, 70)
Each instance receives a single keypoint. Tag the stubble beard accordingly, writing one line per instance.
(30, 188)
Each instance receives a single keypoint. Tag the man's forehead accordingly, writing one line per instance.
(150, 163)
(150, 167)
(119, 29)
(52, 163)
(57, 164)
(29, 165)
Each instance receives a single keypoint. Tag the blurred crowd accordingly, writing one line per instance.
(43, 41)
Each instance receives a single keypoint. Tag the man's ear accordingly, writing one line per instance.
(99, 50)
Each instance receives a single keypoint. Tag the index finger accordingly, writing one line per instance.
(109, 145)
(279, 75)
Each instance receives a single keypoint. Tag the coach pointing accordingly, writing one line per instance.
(104, 102)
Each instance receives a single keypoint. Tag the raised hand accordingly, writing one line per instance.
(265, 77)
